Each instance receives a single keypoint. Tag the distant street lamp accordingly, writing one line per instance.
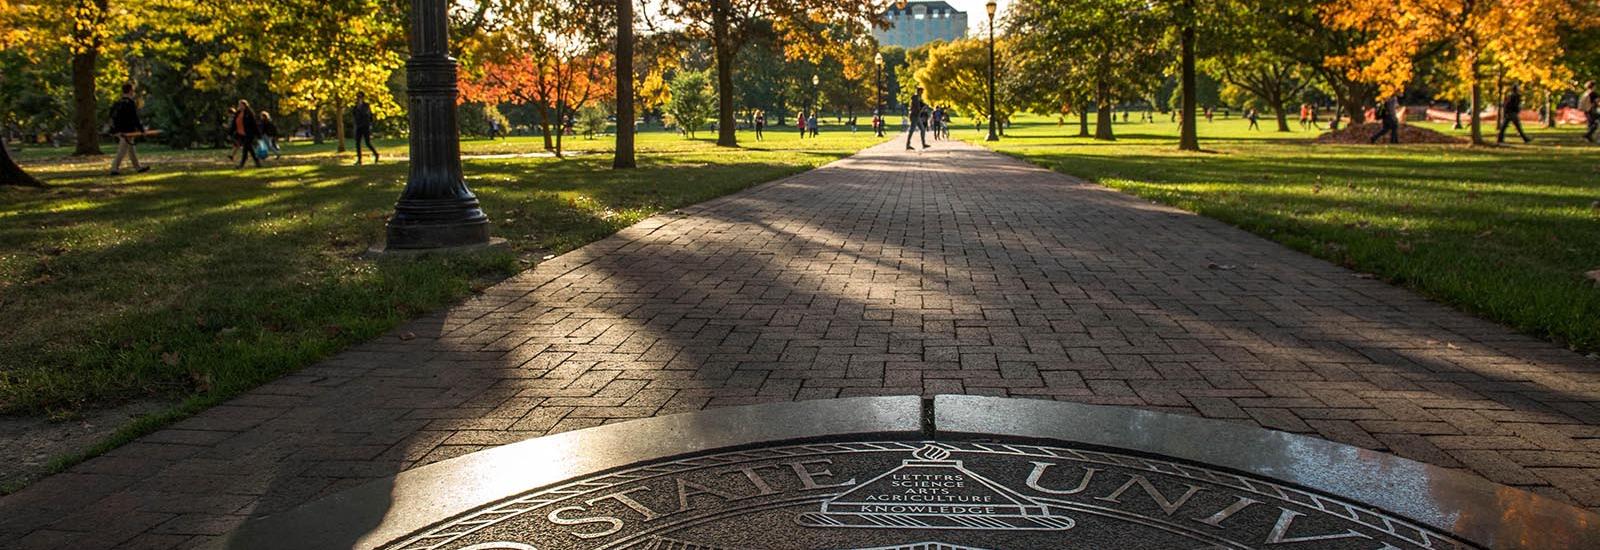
(877, 100)
(436, 210)
(991, 7)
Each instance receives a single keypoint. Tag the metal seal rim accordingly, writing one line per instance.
(377, 513)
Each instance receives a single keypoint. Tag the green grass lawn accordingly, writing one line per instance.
(1503, 232)
(196, 281)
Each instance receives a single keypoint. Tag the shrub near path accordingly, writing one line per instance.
(1504, 232)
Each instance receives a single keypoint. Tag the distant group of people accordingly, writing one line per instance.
(1510, 115)
(808, 123)
(254, 135)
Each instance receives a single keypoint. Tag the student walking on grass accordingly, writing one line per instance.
(761, 123)
(1511, 114)
(1389, 115)
(125, 124)
(246, 130)
(269, 134)
(361, 114)
(1255, 118)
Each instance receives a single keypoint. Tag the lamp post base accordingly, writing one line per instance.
(438, 223)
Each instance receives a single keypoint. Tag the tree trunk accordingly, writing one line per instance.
(1102, 118)
(84, 106)
(727, 127)
(1550, 110)
(1188, 138)
(1476, 116)
(544, 126)
(1283, 117)
(623, 159)
(1356, 110)
(561, 123)
(316, 126)
(11, 173)
(1083, 122)
(338, 125)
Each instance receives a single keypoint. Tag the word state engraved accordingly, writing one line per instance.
(898, 495)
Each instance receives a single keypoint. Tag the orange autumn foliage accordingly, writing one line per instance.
(541, 80)
(1515, 38)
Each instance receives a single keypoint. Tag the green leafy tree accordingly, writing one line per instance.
(1271, 78)
(10, 172)
(1109, 49)
(592, 121)
(957, 74)
(803, 24)
(692, 101)
(325, 51)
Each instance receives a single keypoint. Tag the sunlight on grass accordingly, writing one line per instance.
(1505, 232)
(198, 280)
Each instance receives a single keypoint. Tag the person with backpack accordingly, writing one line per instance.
(915, 113)
(1511, 114)
(361, 114)
(246, 130)
(125, 124)
(1388, 113)
(269, 134)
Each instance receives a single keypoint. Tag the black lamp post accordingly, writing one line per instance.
(816, 97)
(877, 100)
(436, 210)
(993, 136)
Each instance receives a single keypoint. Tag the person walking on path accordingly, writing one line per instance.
(1511, 114)
(361, 114)
(269, 134)
(246, 130)
(761, 123)
(125, 124)
(1589, 103)
(915, 113)
(1389, 116)
(1255, 119)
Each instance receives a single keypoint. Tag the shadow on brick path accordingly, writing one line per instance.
(950, 270)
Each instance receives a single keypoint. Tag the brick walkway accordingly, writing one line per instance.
(952, 270)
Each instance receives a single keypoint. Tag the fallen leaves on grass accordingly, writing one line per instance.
(1593, 276)
(1404, 247)
(170, 358)
(1362, 134)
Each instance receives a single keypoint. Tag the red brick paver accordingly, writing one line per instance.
(952, 270)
